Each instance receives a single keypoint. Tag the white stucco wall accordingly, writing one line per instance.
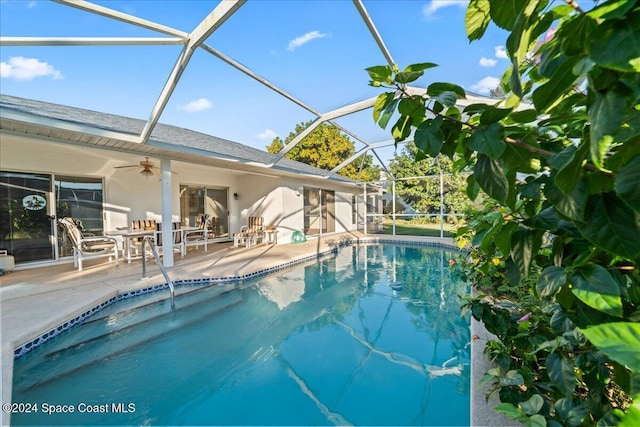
(129, 195)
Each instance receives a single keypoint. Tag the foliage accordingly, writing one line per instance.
(423, 194)
(557, 249)
(325, 148)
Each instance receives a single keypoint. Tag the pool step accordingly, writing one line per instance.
(115, 334)
(130, 312)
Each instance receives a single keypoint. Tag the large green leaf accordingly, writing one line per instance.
(491, 178)
(524, 246)
(509, 410)
(427, 136)
(570, 205)
(615, 44)
(505, 12)
(524, 116)
(402, 129)
(563, 77)
(570, 413)
(547, 220)
(384, 107)
(628, 183)
(551, 280)
(606, 115)
(514, 79)
(488, 140)
(570, 174)
(503, 238)
(413, 107)
(404, 77)
(612, 225)
(614, 9)
(437, 88)
(419, 67)
(561, 372)
(380, 73)
(512, 377)
(618, 340)
(472, 188)
(493, 115)
(594, 286)
(523, 36)
(447, 98)
(575, 33)
(533, 405)
(477, 19)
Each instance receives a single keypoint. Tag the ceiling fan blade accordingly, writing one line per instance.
(128, 166)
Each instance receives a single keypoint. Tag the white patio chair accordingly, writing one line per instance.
(88, 247)
(201, 235)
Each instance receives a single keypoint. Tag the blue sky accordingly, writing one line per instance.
(315, 50)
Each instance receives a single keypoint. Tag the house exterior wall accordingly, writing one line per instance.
(129, 195)
(280, 201)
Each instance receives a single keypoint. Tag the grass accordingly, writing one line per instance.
(406, 228)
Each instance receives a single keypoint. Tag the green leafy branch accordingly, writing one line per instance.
(560, 241)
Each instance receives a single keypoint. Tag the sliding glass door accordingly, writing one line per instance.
(26, 216)
(82, 199)
(29, 205)
(195, 200)
(319, 211)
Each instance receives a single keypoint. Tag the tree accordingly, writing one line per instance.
(423, 194)
(560, 160)
(325, 148)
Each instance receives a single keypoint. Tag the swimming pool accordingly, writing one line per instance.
(369, 336)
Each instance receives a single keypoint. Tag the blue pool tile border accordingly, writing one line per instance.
(52, 333)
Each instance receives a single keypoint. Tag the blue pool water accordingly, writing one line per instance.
(370, 336)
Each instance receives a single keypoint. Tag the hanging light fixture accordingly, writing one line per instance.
(146, 172)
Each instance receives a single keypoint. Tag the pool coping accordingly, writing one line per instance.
(480, 411)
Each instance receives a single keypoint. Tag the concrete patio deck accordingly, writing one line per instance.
(34, 301)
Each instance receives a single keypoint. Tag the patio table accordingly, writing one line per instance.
(127, 234)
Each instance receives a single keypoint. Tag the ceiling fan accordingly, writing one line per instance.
(148, 168)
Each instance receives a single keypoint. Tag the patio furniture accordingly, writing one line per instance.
(250, 234)
(200, 235)
(178, 241)
(88, 247)
(140, 225)
(272, 234)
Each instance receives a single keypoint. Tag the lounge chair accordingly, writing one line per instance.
(201, 235)
(88, 247)
(250, 234)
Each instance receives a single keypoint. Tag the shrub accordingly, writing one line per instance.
(556, 250)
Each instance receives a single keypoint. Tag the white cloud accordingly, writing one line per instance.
(430, 8)
(501, 52)
(21, 68)
(32, 4)
(197, 105)
(268, 134)
(299, 41)
(487, 62)
(486, 85)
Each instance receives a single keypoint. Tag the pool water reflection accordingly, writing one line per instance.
(370, 336)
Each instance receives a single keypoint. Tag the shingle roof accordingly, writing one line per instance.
(167, 135)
